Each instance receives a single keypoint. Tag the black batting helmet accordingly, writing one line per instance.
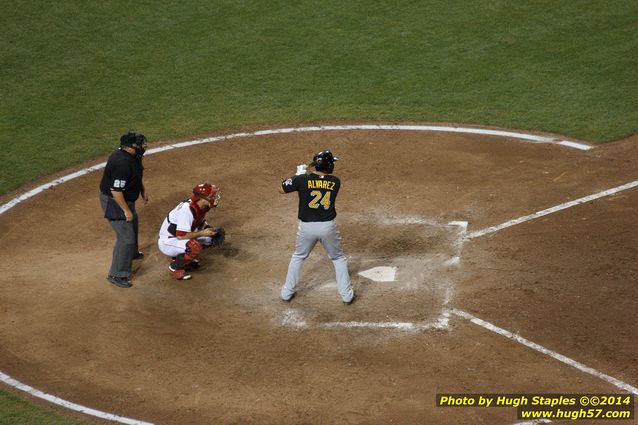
(324, 161)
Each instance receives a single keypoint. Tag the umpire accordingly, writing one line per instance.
(120, 187)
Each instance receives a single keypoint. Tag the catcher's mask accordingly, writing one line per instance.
(324, 161)
(207, 191)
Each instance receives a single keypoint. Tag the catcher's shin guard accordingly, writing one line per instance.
(177, 268)
(193, 248)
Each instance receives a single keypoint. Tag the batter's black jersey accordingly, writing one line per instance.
(123, 173)
(317, 195)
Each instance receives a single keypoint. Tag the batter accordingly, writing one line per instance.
(317, 192)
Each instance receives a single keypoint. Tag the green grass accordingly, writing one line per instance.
(74, 75)
(14, 411)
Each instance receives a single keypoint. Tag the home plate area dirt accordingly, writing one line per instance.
(223, 349)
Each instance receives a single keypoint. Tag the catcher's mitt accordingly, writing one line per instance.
(218, 239)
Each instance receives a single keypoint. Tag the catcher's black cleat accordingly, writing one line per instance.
(289, 299)
(138, 256)
(193, 265)
(351, 300)
(122, 282)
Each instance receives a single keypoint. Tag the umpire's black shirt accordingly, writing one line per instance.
(317, 195)
(123, 173)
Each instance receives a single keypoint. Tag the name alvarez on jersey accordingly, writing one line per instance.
(321, 184)
(317, 195)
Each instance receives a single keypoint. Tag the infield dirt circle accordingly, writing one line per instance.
(222, 348)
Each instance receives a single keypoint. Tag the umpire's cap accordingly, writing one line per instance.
(130, 139)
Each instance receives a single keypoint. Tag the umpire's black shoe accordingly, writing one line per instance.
(122, 282)
(138, 256)
(351, 300)
(289, 299)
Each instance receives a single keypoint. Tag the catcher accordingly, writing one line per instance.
(185, 232)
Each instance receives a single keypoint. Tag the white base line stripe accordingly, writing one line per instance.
(60, 402)
(575, 145)
(573, 363)
(467, 130)
(15, 201)
(551, 210)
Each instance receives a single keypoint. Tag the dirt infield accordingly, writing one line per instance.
(222, 348)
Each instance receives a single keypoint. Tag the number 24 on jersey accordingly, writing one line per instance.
(319, 199)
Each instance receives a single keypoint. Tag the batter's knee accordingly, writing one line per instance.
(340, 256)
(299, 257)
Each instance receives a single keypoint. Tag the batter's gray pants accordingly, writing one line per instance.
(125, 241)
(307, 236)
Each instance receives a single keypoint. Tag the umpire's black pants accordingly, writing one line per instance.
(125, 241)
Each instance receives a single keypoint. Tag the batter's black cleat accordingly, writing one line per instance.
(351, 300)
(138, 256)
(289, 299)
(122, 282)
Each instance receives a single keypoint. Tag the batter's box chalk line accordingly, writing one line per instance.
(441, 322)
(295, 319)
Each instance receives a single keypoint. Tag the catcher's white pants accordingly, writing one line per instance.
(307, 236)
(174, 247)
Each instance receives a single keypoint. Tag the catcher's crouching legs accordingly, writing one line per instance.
(178, 266)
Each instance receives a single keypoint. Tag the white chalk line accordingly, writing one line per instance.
(467, 130)
(551, 210)
(69, 405)
(553, 354)
(575, 145)
(294, 319)
(15, 201)
(442, 322)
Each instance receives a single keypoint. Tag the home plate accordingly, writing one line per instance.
(380, 274)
